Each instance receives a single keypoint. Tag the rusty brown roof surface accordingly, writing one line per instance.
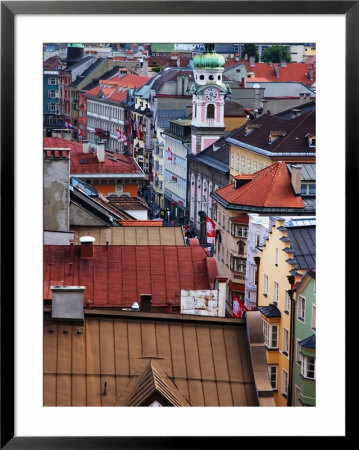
(127, 203)
(163, 236)
(117, 275)
(202, 361)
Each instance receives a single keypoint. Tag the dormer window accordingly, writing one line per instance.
(311, 140)
(252, 128)
(275, 135)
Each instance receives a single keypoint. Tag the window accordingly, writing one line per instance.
(52, 94)
(265, 285)
(248, 166)
(242, 164)
(210, 111)
(301, 308)
(298, 356)
(239, 265)
(297, 397)
(276, 257)
(232, 160)
(308, 189)
(240, 231)
(272, 370)
(270, 333)
(308, 367)
(254, 166)
(285, 346)
(260, 166)
(237, 163)
(286, 302)
(53, 107)
(241, 246)
(284, 382)
(275, 292)
(314, 319)
(53, 81)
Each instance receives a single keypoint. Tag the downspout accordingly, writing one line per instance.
(291, 280)
(257, 260)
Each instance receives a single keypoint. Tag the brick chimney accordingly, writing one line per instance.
(101, 151)
(296, 178)
(145, 302)
(85, 146)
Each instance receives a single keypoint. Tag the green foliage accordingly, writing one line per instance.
(157, 69)
(276, 54)
(250, 50)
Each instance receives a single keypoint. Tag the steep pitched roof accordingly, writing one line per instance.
(293, 139)
(303, 242)
(81, 163)
(268, 188)
(116, 276)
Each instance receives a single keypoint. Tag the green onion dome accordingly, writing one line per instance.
(208, 60)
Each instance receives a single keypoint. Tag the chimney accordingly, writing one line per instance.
(276, 67)
(236, 57)
(67, 302)
(87, 246)
(296, 112)
(222, 284)
(252, 61)
(101, 151)
(145, 302)
(296, 178)
(85, 146)
(311, 73)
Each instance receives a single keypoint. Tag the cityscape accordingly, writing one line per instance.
(179, 211)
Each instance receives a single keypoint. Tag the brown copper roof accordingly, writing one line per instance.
(113, 357)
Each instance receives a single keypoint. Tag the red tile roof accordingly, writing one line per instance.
(291, 72)
(270, 187)
(116, 276)
(114, 163)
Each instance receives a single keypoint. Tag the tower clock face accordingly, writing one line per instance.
(211, 94)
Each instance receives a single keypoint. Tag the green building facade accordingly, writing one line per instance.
(304, 342)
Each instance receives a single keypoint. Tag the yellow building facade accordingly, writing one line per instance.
(273, 292)
(243, 161)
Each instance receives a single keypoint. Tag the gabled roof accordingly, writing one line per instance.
(116, 276)
(268, 188)
(152, 383)
(81, 163)
(125, 202)
(294, 139)
(233, 109)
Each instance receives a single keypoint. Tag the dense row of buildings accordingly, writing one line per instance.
(220, 142)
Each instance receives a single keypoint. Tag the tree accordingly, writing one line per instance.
(250, 50)
(276, 54)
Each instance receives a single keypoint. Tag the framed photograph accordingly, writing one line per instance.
(25, 27)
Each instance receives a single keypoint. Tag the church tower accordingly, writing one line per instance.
(208, 94)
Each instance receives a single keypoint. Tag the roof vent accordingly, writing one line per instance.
(67, 302)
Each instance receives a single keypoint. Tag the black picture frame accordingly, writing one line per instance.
(9, 9)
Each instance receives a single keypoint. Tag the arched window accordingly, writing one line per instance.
(210, 111)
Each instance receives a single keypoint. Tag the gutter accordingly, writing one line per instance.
(265, 152)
